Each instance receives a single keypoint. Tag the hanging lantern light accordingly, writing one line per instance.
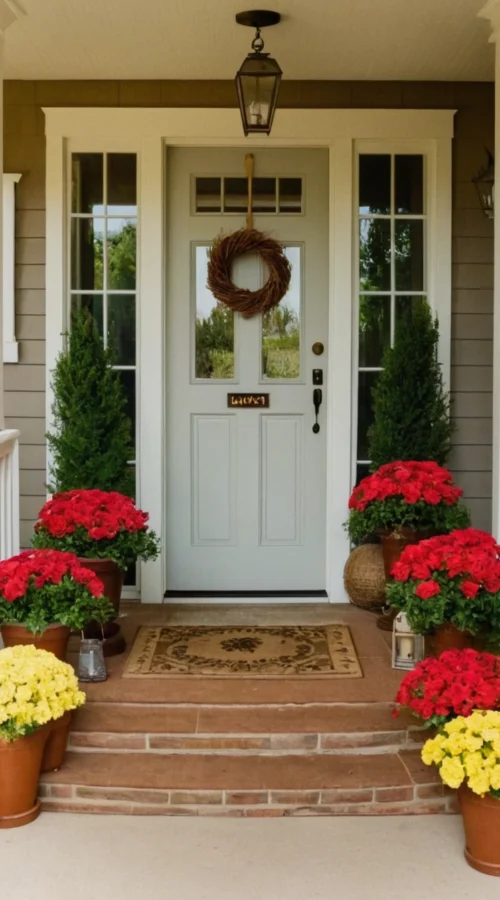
(485, 186)
(258, 78)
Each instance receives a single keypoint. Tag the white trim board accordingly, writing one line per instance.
(10, 345)
(147, 132)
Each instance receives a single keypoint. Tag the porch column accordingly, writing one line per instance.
(492, 12)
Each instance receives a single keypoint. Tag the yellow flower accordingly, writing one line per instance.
(480, 783)
(456, 724)
(452, 772)
(432, 751)
(495, 777)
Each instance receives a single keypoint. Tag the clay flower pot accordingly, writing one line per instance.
(112, 578)
(481, 817)
(54, 638)
(448, 637)
(20, 763)
(393, 543)
(57, 741)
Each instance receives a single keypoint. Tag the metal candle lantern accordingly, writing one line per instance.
(408, 648)
(91, 664)
(259, 76)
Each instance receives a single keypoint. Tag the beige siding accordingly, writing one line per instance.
(472, 351)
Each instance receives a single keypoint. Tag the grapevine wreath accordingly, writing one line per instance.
(225, 249)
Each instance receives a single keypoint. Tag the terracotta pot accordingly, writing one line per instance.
(54, 639)
(448, 637)
(112, 578)
(20, 763)
(57, 741)
(393, 544)
(481, 817)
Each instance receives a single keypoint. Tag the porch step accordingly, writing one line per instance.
(223, 784)
(243, 728)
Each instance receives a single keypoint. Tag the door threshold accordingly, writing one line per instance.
(249, 597)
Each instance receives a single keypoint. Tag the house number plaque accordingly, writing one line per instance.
(248, 401)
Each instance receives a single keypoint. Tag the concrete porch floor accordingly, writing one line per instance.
(92, 857)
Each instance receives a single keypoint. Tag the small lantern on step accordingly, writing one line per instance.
(91, 664)
(408, 648)
(485, 186)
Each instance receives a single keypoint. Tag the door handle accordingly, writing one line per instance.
(317, 401)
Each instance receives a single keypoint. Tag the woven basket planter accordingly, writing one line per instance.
(364, 577)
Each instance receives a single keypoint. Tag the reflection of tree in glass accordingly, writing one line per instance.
(375, 255)
(215, 344)
(374, 329)
(121, 258)
(281, 343)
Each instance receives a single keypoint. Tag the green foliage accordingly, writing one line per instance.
(124, 549)
(281, 343)
(215, 344)
(394, 514)
(411, 407)
(91, 442)
(477, 614)
(66, 603)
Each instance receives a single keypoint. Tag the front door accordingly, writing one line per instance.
(246, 487)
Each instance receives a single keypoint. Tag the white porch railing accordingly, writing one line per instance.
(9, 493)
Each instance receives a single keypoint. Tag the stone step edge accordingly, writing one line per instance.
(409, 800)
(331, 742)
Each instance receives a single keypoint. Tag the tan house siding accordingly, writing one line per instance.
(472, 350)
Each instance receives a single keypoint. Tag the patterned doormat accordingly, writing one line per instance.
(262, 652)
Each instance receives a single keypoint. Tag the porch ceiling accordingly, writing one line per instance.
(193, 39)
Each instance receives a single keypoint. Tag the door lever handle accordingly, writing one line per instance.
(317, 401)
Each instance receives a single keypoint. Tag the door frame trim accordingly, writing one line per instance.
(147, 132)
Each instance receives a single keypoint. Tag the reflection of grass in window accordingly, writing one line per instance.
(281, 343)
(215, 344)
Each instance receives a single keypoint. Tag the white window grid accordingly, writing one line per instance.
(392, 217)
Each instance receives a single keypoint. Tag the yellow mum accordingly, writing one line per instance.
(468, 748)
(35, 688)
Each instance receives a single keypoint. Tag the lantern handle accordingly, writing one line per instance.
(249, 168)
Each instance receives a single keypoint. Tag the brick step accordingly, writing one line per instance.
(222, 784)
(303, 728)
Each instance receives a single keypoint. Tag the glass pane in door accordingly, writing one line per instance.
(281, 328)
(214, 326)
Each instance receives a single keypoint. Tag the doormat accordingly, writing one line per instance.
(280, 651)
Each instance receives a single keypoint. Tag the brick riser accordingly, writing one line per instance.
(382, 742)
(423, 799)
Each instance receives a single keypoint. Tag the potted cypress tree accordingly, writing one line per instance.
(91, 439)
(411, 406)
(411, 410)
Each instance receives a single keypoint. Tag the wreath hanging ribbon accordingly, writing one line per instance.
(224, 251)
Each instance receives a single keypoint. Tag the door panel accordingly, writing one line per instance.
(246, 487)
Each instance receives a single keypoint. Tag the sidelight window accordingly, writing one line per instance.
(391, 224)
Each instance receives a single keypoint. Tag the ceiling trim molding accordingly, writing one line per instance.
(491, 12)
(222, 127)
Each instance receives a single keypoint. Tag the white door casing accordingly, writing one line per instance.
(245, 488)
(147, 131)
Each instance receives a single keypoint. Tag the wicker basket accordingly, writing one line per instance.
(364, 577)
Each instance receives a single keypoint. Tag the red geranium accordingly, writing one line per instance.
(46, 587)
(96, 524)
(413, 481)
(449, 578)
(455, 684)
(411, 494)
(41, 567)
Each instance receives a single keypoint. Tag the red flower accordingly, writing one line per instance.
(427, 589)
(455, 684)
(469, 588)
(42, 567)
(414, 481)
(102, 514)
